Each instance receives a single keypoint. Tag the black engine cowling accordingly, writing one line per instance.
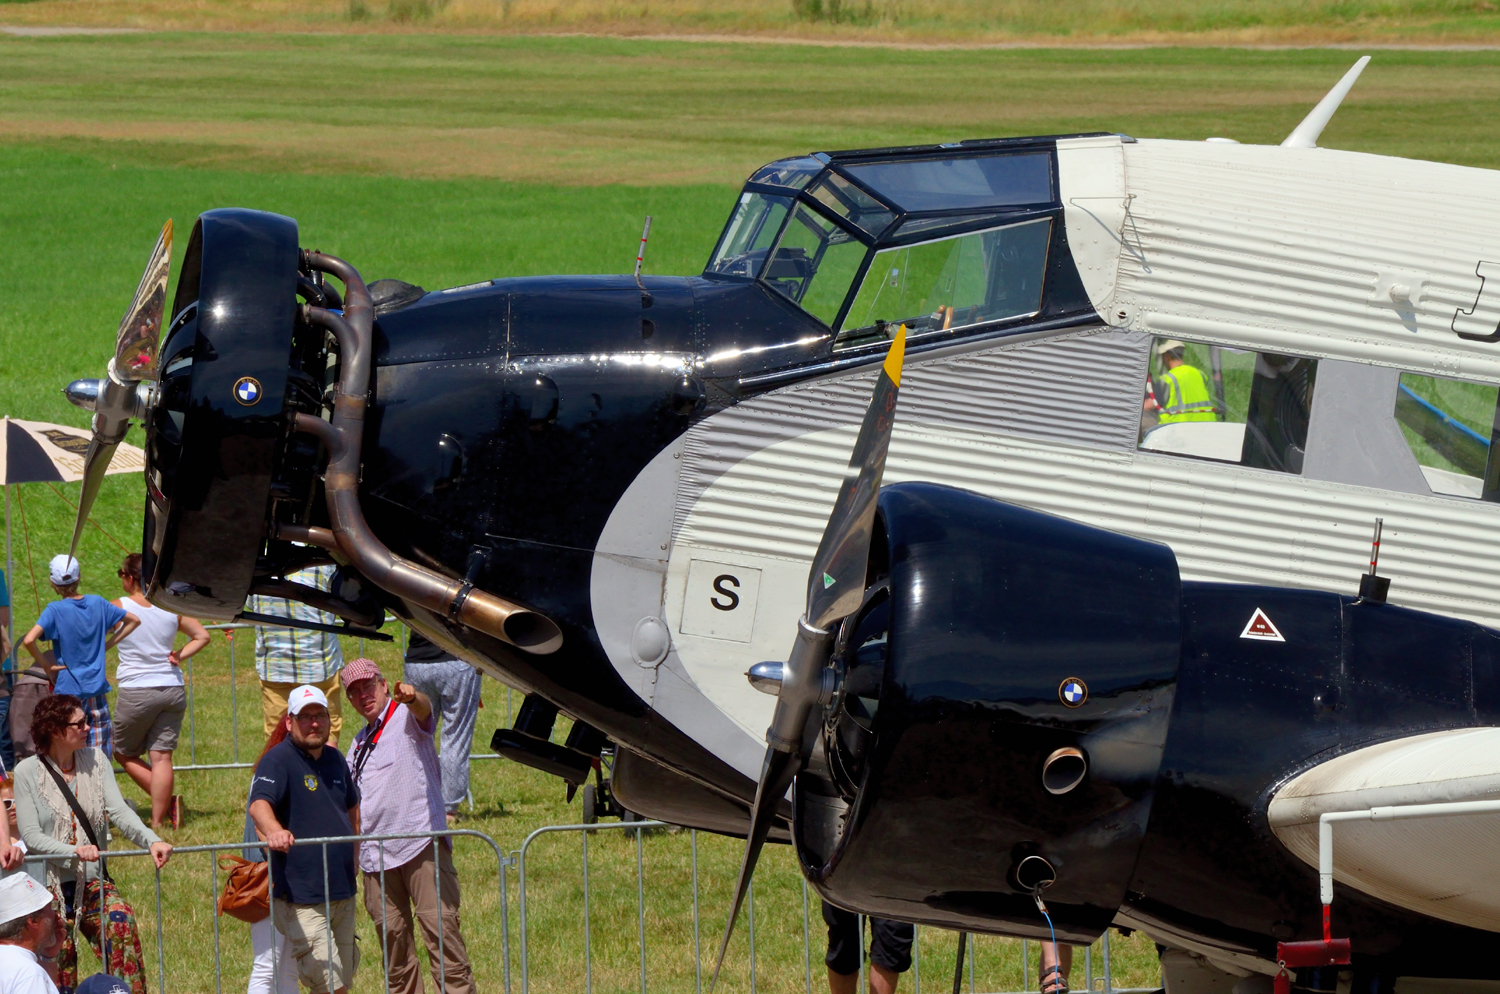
(1006, 691)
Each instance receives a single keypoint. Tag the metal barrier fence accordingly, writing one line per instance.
(526, 894)
(106, 857)
(1103, 983)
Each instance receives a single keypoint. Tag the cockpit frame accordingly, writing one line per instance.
(874, 216)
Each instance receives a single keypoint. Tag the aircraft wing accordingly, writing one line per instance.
(1449, 867)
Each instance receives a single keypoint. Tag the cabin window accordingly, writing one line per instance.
(1448, 425)
(1211, 402)
(948, 283)
(748, 236)
(814, 264)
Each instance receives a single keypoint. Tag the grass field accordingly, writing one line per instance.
(942, 22)
(443, 160)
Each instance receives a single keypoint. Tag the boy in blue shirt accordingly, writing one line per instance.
(81, 627)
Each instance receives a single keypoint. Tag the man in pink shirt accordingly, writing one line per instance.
(395, 764)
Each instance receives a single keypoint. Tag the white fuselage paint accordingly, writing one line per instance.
(1257, 248)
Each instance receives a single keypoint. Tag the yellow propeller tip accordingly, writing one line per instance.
(896, 356)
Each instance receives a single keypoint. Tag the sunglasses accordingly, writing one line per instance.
(81, 723)
(9, 802)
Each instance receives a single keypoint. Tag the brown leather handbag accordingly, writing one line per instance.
(247, 891)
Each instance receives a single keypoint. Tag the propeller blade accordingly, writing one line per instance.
(776, 776)
(837, 582)
(114, 398)
(835, 590)
(140, 328)
(95, 465)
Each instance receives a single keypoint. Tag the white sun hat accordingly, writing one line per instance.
(21, 896)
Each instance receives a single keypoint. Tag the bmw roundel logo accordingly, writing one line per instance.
(247, 390)
(1073, 692)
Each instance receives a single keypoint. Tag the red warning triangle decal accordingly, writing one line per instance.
(1259, 627)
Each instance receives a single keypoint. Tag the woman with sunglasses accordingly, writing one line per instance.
(50, 823)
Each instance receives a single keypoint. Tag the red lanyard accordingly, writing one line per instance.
(368, 746)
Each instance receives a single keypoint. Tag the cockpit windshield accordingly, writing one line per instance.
(974, 227)
(749, 234)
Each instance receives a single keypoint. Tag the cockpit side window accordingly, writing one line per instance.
(1448, 425)
(814, 263)
(950, 283)
(748, 235)
(1228, 405)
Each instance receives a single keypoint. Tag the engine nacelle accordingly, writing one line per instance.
(1005, 694)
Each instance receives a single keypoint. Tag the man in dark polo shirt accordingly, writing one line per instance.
(302, 789)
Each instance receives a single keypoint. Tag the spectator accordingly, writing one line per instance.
(890, 951)
(30, 933)
(286, 658)
(151, 699)
(274, 970)
(18, 844)
(302, 788)
(7, 754)
(1053, 968)
(54, 823)
(81, 627)
(31, 686)
(103, 983)
(453, 687)
(395, 766)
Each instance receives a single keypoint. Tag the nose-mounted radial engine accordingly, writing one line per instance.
(255, 404)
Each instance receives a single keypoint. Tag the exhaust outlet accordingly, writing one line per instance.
(1064, 770)
(1034, 874)
(343, 436)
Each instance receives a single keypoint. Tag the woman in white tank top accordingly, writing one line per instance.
(152, 699)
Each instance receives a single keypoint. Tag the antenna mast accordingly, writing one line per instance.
(1372, 586)
(640, 256)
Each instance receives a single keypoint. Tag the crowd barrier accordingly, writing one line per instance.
(527, 892)
(214, 850)
(812, 980)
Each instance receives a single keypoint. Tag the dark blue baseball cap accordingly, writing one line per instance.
(103, 983)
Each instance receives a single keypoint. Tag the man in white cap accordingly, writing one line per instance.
(302, 788)
(30, 930)
(81, 627)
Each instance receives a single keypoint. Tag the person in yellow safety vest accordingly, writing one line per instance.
(1182, 393)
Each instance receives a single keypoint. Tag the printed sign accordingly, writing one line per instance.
(720, 601)
(1259, 627)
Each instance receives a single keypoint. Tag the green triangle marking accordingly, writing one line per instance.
(828, 581)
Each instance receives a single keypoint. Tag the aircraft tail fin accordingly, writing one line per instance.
(1305, 135)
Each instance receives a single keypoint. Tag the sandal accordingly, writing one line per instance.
(1053, 980)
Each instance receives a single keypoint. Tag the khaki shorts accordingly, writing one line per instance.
(148, 718)
(323, 946)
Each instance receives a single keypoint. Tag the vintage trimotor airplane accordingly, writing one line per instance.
(1079, 641)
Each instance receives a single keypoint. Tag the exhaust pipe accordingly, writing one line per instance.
(343, 436)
